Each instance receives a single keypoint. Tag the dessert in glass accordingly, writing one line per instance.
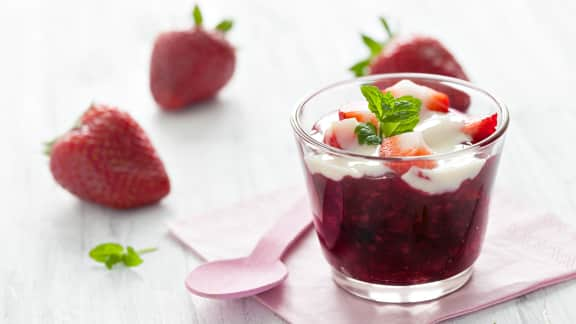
(399, 182)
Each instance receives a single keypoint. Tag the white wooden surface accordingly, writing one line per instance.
(57, 56)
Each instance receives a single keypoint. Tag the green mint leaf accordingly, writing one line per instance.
(225, 25)
(386, 27)
(112, 260)
(360, 68)
(407, 124)
(197, 14)
(388, 101)
(408, 103)
(367, 134)
(405, 127)
(375, 99)
(113, 253)
(374, 46)
(396, 115)
(102, 252)
(403, 117)
(387, 129)
(131, 258)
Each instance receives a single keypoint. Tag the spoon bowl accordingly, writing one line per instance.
(235, 278)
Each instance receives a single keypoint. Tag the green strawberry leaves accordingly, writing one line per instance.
(361, 68)
(395, 115)
(224, 26)
(197, 14)
(113, 253)
(375, 47)
(386, 27)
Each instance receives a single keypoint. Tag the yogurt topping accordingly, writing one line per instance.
(404, 120)
(336, 168)
(442, 134)
(446, 177)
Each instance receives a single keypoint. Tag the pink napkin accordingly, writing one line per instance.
(524, 251)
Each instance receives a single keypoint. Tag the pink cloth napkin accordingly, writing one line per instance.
(524, 251)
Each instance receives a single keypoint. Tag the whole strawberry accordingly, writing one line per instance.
(191, 65)
(108, 159)
(420, 54)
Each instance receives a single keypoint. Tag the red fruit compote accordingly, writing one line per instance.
(400, 194)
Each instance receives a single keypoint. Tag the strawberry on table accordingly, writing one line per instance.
(431, 99)
(420, 54)
(108, 159)
(417, 53)
(191, 65)
(480, 129)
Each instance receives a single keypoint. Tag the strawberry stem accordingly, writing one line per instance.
(362, 68)
(48, 146)
(386, 27)
(147, 250)
(197, 14)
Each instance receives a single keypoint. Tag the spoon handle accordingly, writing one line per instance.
(287, 229)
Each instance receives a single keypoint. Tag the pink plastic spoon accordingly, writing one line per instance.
(258, 272)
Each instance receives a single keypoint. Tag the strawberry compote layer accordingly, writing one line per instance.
(382, 230)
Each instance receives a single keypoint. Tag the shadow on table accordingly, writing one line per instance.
(201, 120)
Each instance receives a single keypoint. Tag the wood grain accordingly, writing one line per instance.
(58, 56)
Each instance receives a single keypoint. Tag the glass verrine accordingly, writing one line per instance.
(394, 236)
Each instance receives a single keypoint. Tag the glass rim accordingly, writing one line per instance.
(488, 141)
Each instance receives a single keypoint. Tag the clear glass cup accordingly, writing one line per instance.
(399, 237)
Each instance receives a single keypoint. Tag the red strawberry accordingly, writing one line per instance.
(362, 116)
(109, 160)
(191, 65)
(406, 144)
(480, 129)
(417, 54)
(431, 99)
(341, 134)
(420, 54)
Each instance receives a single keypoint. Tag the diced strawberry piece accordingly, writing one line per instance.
(330, 138)
(407, 144)
(363, 116)
(438, 102)
(480, 129)
(431, 99)
(341, 134)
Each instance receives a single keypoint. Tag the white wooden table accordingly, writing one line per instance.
(57, 56)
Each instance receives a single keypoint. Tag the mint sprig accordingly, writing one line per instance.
(395, 115)
(114, 253)
(367, 134)
(375, 47)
